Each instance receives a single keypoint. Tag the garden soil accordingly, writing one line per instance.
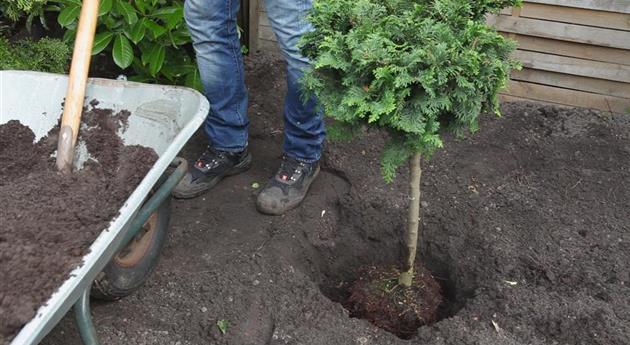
(526, 226)
(48, 220)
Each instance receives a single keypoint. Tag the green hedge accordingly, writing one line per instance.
(14, 9)
(46, 55)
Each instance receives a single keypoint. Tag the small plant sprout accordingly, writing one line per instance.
(223, 325)
(411, 68)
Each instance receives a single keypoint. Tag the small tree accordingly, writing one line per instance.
(410, 67)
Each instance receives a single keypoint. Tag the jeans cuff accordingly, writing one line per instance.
(304, 160)
(230, 149)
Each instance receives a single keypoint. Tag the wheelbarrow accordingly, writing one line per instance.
(124, 254)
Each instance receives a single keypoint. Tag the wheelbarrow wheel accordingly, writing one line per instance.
(133, 265)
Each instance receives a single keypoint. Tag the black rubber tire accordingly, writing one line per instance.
(116, 281)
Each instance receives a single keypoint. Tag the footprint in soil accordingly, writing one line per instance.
(256, 329)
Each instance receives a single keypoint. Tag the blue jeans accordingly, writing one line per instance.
(212, 24)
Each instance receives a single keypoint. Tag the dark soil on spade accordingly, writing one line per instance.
(526, 227)
(48, 220)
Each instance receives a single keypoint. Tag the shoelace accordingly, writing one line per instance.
(210, 157)
(289, 168)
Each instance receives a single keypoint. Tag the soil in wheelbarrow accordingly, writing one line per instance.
(48, 220)
(526, 229)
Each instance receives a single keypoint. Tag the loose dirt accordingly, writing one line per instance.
(48, 220)
(526, 228)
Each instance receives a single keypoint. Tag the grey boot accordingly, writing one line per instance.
(288, 187)
(210, 168)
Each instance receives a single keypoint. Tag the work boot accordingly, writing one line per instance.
(210, 168)
(288, 187)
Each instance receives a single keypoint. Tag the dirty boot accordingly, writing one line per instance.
(288, 187)
(210, 168)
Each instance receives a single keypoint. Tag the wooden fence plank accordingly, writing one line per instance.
(621, 6)
(599, 86)
(269, 46)
(263, 19)
(568, 97)
(568, 65)
(572, 49)
(253, 25)
(266, 33)
(610, 20)
(509, 98)
(562, 31)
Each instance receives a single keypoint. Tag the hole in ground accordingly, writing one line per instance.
(338, 289)
(370, 233)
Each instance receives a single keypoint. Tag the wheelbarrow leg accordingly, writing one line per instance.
(84, 319)
(82, 306)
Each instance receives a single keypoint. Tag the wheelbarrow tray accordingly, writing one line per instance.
(162, 118)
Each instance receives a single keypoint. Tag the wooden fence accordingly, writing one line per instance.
(261, 35)
(574, 52)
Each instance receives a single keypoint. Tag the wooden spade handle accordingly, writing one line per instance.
(73, 105)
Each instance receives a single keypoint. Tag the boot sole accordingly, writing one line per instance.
(241, 167)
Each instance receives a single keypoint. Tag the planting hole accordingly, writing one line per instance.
(373, 294)
(354, 260)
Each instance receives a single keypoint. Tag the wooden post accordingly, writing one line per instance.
(254, 13)
(73, 104)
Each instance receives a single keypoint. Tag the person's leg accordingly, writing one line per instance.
(212, 25)
(303, 123)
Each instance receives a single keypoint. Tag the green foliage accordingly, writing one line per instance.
(46, 55)
(341, 131)
(14, 9)
(146, 35)
(408, 66)
(223, 325)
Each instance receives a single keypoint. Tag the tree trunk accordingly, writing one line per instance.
(413, 220)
